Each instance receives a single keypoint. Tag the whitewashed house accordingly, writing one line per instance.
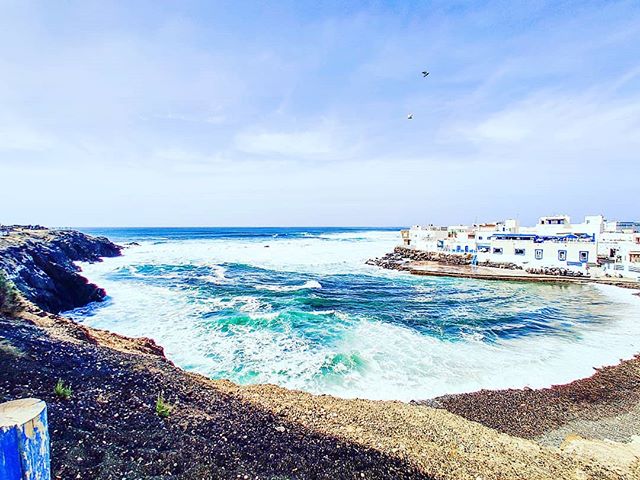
(621, 254)
(594, 246)
(528, 250)
(424, 237)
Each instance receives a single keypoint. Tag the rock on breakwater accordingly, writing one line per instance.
(401, 258)
(40, 264)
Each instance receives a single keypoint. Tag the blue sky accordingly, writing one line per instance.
(295, 113)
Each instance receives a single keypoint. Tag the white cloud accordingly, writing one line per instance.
(212, 118)
(293, 144)
(327, 142)
(25, 138)
(583, 125)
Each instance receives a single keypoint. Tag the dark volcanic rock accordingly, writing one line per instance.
(41, 266)
(401, 258)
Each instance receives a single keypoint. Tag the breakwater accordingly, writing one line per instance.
(401, 258)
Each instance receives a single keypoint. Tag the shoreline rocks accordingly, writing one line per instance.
(558, 272)
(41, 265)
(401, 258)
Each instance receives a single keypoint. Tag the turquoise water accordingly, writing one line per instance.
(299, 308)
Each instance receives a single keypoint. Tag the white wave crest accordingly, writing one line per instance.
(311, 284)
(218, 277)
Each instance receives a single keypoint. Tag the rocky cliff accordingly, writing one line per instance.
(40, 263)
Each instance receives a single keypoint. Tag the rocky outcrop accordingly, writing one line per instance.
(401, 258)
(440, 257)
(40, 264)
(561, 272)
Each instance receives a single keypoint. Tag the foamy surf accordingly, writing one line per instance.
(230, 308)
(290, 288)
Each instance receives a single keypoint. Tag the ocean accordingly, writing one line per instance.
(299, 308)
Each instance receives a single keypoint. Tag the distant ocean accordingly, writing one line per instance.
(298, 307)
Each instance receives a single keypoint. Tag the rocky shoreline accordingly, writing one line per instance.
(109, 429)
(40, 263)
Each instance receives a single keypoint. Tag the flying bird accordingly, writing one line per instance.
(410, 116)
(425, 73)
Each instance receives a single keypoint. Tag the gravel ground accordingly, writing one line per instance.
(592, 406)
(621, 427)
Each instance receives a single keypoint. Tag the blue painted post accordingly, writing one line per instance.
(24, 440)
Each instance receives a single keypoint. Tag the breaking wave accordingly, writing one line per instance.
(307, 313)
(290, 288)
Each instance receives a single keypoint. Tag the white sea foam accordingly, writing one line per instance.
(372, 359)
(218, 277)
(311, 284)
(251, 304)
(403, 364)
(305, 255)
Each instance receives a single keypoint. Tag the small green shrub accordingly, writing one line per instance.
(9, 296)
(9, 349)
(163, 409)
(61, 390)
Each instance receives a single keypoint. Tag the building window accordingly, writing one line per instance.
(538, 254)
(497, 251)
(519, 251)
(583, 257)
(562, 255)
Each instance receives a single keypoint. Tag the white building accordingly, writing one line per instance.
(533, 251)
(619, 253)
(424, 237)
(594, 246)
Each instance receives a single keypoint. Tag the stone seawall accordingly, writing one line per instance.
(402, 257)
(446, 258)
